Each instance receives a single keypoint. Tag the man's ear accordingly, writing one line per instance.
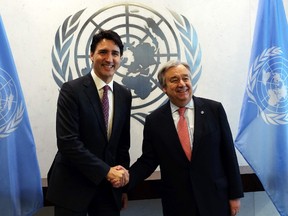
(91, 56)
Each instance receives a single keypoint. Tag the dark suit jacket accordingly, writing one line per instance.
(84, 154)
(209, 180)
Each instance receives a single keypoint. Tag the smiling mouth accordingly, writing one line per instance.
(182, 90)
(108, 66)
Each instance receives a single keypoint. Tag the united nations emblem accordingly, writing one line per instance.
(149, 38)
(268, 86)
(11, 108)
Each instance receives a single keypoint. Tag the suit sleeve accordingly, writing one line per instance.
(229, 158)
(148, 161)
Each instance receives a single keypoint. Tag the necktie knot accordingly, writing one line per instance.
(106, 88)
(181, 111)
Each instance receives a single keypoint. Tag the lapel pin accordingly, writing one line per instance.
(202, 112)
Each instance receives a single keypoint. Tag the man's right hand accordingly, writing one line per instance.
(118, 176)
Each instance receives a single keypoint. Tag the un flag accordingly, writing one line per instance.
(263, 129)
(20, 181)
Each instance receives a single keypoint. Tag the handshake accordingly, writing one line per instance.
(118, 176)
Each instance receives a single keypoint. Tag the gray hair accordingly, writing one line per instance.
(166, 67)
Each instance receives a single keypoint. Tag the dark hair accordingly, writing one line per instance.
(107, 34)
(166, 67)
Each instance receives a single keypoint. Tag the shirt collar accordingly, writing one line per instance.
(100, 83)
(175, 108)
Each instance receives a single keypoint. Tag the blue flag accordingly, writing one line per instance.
(20, 180)
(262, 138)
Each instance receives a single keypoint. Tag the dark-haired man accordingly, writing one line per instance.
(93, 139)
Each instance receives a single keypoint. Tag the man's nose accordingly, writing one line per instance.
(109, 57)
(181, 82)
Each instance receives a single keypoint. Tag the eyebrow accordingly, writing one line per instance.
(182, 75)
(106, 50)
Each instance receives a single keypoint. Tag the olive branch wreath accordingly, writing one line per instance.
(12, 125)
(60, 50)
(269, 118)
(192, 48)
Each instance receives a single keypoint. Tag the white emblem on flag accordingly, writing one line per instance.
(268, 86)
(11, 111)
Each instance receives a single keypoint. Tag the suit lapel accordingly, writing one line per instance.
(170, 131)
(200, 116)
(92, 93)
(117, 108)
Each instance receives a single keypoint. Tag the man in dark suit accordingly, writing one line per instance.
(206, 182)
(92, 150)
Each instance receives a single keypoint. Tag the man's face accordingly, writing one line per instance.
(106, 59)
(178, 85)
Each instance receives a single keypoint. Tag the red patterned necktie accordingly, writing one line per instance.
(105, 105)
(183, 133)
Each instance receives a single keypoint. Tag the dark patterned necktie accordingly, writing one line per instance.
(105, 105)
